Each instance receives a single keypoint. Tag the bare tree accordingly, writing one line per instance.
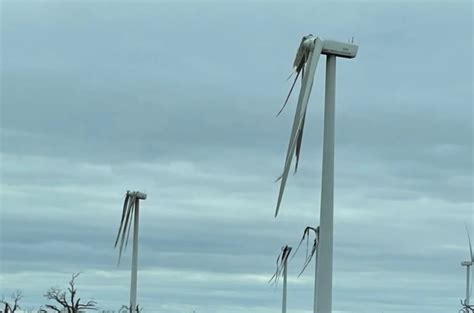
(68, 301)
(126, 309)
(14, 304)
(466, 308)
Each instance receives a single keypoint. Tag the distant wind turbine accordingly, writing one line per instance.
(309, 256)
(282, 269)
(130, 212)
(305, 64)
(314, 248)
(468, 265)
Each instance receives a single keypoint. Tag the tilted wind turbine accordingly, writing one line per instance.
(468, 265)
(130, 215)
(305, 63)
(282, 270)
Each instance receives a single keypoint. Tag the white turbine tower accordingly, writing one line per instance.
(282, 269)
(468, 265)
(306, 61)
(130, 212)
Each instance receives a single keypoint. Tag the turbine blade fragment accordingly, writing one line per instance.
(298, 143)
(132, 218)
(308, 259)
(122, 219)
(305, 92)
(286, 254)
(280, 264)
(126, 224)
(307, 246)
(291, 74)
(289, 93)
(274, 278)
(308, 256)
(305, 233)
(297, 248)
(299, 68)
(470, 245)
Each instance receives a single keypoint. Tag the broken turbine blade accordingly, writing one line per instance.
(125, 202)
(315, 47)
(133, 205)
(126, 228)
(470, 245)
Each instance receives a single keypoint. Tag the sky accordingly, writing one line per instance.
(178, 100)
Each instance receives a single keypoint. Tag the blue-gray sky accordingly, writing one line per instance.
(179, 100)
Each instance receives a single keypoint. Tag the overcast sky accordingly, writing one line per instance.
(178, 100)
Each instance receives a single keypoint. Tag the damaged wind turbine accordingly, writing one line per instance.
(305, 64)
(282, 269)
(130, 213)
(314, 249)
(468, 265)
(309, 256)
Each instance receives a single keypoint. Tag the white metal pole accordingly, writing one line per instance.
(133, 288)
(324, 268)
(468, 277)
(285, 274)
(315, 280)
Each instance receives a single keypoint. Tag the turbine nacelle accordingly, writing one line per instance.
(466, 263)
(330, 47)
(340, 49)
(136, 194)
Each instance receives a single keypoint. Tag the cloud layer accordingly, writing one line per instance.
(179, 100)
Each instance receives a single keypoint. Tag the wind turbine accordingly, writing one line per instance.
(282, 269)
(306, 61)
(468, 265)
(314, 249)
(130, 212)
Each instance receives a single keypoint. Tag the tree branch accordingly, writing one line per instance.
(61, 298)
(16, 297)
(53, 307)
